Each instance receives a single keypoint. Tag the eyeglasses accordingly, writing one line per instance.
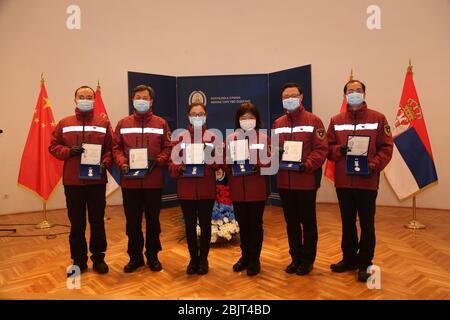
(197, 114)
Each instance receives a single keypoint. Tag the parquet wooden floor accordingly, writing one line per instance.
(414, 264)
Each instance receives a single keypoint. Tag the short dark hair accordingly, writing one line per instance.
(196, 104)
(353, 81)
(243, 109)
(143, 87)
(291, 85)
(84, 87)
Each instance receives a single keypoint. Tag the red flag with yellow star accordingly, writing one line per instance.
(329, 165)
(39, 171)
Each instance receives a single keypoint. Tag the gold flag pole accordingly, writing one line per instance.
(414, 224)
(44, 224)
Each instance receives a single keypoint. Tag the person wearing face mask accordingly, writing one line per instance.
(196, 193)
(249, 192)
(67, 144)
(149, 133)
(357, 193)
(298, 188)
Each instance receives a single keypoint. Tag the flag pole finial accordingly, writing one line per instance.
(351, 74)
(42, 78)
(410, 67)
(98, 84)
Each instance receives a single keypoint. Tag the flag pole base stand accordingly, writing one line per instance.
(414, 224)
(106, 218)
(45, 224)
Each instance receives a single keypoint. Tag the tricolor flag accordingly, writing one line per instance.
(412, 166)
(113, 171)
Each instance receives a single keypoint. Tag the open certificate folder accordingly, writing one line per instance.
(90, 161)
(357, 155)
(292, 155)
(138, 162)
(194, 160)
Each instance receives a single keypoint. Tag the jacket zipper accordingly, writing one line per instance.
(82, 133)
(354, 132)
(196, 184)
(196, 189)
(142, 145)
(243, 187)
(291, 121)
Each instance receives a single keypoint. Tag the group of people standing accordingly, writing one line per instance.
(297, 186)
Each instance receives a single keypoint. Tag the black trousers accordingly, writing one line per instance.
(299, 207)
(359, 202)
(249, 216)
(136, 202)
(201, 210)
(77, 199)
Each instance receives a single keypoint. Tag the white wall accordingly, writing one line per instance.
(204, 37)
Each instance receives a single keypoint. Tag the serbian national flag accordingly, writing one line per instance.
(39, 171)
(412, 166)
(113, 171)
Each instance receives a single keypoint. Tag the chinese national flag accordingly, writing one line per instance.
(99, 106)
(113, 171)
(39, 171)
(329, 166)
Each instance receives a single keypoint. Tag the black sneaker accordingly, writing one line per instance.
(304, 269)
(203, 267)
(81, 266)
(363, 275)
(192, 267)
(133, 265)
(154, 264)
(292, 268)
(240, 265)
(253, 269)
(343, 266)
(101, 267)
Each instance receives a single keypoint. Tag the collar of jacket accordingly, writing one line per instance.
(143, 116)
(294, 115)
(87, 115)
(191, 131)
(358, 113)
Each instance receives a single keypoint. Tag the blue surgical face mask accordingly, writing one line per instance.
(197, 121)
(291, 104)
(85, 105)
(247, 124)
(355, 98)
(141, 106)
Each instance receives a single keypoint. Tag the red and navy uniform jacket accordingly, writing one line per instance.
(83, 127)
(251, 187)
(302, 125)
(143, 131)
(195, 188)
(364, 122)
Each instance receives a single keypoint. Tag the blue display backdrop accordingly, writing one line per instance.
(165, 106)
(300, 75)
(223, 95)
